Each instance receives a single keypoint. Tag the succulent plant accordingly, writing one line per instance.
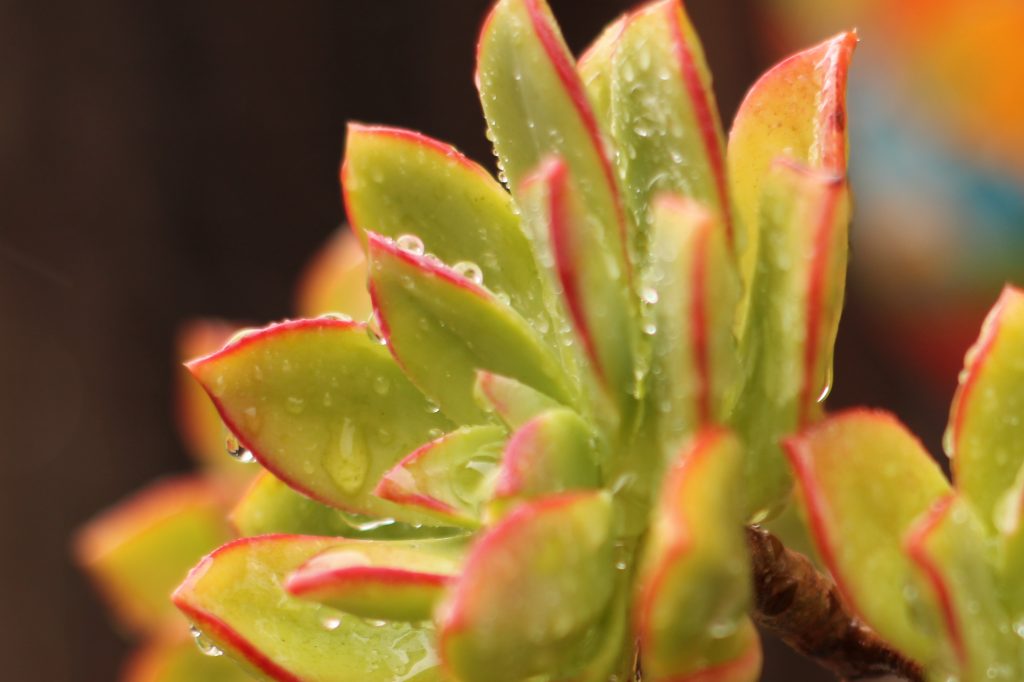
(553, 450)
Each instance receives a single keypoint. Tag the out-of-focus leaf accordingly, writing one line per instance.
(442, 327)
(448, 479)
(381, 579)
(985, 437)
(664, 118)
(140, 549)
(399, 182)
(693, 286)
(334, 281)
(173, 657)
(531, 592)
(595, 69)
(949, 548)
(797, 109)
(322, 406)
(271, 506)
(552, 453)
(794, 317)
(236, 599)
(695, 579)
(862, 480)
(514, 403)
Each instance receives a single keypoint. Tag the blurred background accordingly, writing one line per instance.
(166, 160)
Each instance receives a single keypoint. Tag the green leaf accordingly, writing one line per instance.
(322, 406)
(271, 506)
(513, 402)
(173, 657)
(985, 437)
(442, 327)
(236, 599)
(595, 290)
(794, 317)
(380, 579)
(595, 69)
(399, 182)
(949, 547)
(448, 479)
(552, 453)
(531, 592)
(798, 110)
(693, 283)
(664, 118)
(863, 479)
(536, 107)
(140, 549)
(695, 578)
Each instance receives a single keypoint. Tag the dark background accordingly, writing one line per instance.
(162, 160)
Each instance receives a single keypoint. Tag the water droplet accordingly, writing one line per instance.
(503, 297)
(373, 334)
(373, 622)
(331, 623)
(650, 329)
(205, 646)
(722, 629)
(364, 523)
(470, 271)
(337, 317)
(432, 407)
(237, 450)
(434, 434)
(381, 385)
(649, 295)
(827, 386)
(348, 461)
(294, 404)
(410, 243)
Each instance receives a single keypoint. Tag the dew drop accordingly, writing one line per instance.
(348, 461)
(364, 523)
(470, 271)
(381, 385)
(205, 646)
(827, 386)
(410, 243)
(649, 295)
(331, 623)
(650, 329)
(432, 407)
(294, 404)
(336, 317)
(238, 451)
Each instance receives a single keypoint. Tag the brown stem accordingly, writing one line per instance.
(804, 609)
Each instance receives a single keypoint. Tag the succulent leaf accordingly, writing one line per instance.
(236, 599)
(985, 437)
(389, 580)
(796, 109)
(334, 281)
(794, 317)
(513, 402)
(531, 592)
(397, 182)
(442, 327)
(862, 480)
(694, 287)
(664, 120)
(694, 580)
(949, 548)
(271, 506)
(449, 478)
(552, 453)
(595, 69)
(139, 550)
(322, 406)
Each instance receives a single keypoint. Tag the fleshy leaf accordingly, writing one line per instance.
(595, 69)
(797, 109)
(1010, 523)
(595, 290)
(442, 327)
(863, 479)
(694, 578)
(236, 599)
(322, 406)
(140, 549)
(334, 280)
(270, 506)
(794, 317)
(664, 119)
(536, 107)
(514, 403)
(389, 580)
(949, 548)
(531, 592)
(694, 288)
(447, 479)
(985, 437)
(399, 182)
(173, 657)
(552, 453)
(198, 422)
